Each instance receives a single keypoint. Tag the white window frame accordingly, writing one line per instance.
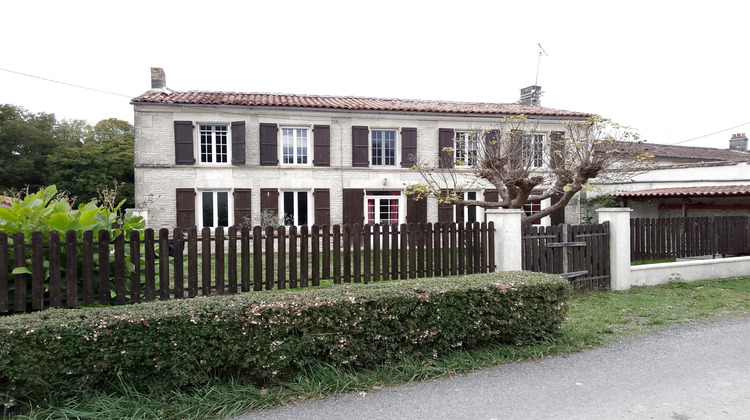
(295, 146)
(465, 209)
(215, 199)
(462, 148)
(544, 221)
(213, 143)
(372, 195)
(536, 144)
(396, 148)
(295, 216)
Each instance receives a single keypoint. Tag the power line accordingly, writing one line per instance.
(718, 132)
(68, 84)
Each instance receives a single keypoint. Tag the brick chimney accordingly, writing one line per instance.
(158, 78)
(531, 95)
(738, 142)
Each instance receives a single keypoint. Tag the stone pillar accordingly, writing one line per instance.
(508, 243)
(619, 244)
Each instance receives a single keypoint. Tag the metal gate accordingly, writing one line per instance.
(579, 253)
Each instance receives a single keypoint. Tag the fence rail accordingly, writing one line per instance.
(683, 237)
(72, 271)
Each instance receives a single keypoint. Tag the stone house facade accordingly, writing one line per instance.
(211, 159)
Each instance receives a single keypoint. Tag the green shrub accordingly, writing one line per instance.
(273, 334)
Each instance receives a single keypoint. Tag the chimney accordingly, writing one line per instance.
(738, 142)
(158, 78)
(531, 95)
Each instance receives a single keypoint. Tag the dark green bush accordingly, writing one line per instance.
(273, 334)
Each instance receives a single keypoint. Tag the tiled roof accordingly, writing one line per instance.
(351, 103)
(688, 153)
(701, 191)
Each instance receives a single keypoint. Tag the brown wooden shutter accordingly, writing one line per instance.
(408, 147)
(268, 144)
(354, 206)
(183, 143)
(185, 208)
(238, 143)
(416, 210)
(322, 198)
(269, 200)
(446, 139)
(558, 216)
(242, 207)
(322, 145)
(360, 148)
(445, 211)
(557, 148)
(491, 195)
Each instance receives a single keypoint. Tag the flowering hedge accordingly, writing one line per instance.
(273, 334)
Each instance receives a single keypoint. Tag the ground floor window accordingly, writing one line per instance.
(466, 213)
(383, 207)
(295, 208)
(531, 208)
(214, 209)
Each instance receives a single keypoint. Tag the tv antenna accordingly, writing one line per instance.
(539, 62)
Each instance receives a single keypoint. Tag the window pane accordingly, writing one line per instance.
(207, 199)
(288, 208)
(222, 208)
(302, 208)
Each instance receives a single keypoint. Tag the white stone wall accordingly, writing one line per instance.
(157, 176)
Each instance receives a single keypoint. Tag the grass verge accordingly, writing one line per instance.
(593, 320)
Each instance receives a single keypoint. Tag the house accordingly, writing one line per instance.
(688, 181)
(211, 159)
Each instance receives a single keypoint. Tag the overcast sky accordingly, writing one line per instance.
(673, 70)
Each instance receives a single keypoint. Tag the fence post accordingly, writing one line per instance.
(619, 245)
(508, 242)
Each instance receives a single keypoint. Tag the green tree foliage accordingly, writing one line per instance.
(26, 141)
(37, 150)
(105, 153)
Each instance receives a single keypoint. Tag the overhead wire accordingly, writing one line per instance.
(67, 84)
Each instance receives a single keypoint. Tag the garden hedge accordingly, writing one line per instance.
(273, 334)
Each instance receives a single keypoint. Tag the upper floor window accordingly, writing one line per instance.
(466, 148)
(214, 143)
(295, 208)
(295, 144)
(383, 207)
(383, 147)
(533, 150)
(214, 209)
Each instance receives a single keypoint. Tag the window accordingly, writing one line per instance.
(214, 143)
(214, 209)
(466, 148)
(295, 207)
(467, 213)
(383, 207)
(531, 208)
(533, 150)
(383, 147)
(295, 143)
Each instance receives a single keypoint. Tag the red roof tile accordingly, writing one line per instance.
(686, 153)
(701, 191)
(347, 103)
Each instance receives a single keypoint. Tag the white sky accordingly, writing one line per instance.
(673, 70)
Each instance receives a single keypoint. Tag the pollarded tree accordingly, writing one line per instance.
(526, 167)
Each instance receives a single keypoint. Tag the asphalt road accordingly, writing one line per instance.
(693, 371)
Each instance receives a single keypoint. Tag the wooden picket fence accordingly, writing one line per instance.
(70, 272)
(683, 237)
